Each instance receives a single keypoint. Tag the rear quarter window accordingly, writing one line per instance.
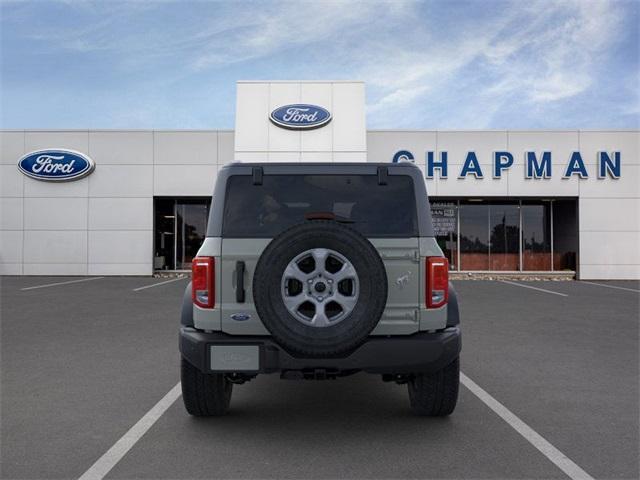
(263, 211)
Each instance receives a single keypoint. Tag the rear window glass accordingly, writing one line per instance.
(263, 211)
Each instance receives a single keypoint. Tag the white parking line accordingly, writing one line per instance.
(61, 283)
(158, 284)
(611, 286)
(106, 462)
(111, 457)
(560, 460)
(534, 288)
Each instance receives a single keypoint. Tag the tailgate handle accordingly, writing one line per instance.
(240, 282)
(414, 256)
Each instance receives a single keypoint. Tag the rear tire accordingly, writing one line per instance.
(204, 395)
(436, 394)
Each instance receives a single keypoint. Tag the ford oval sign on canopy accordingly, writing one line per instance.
(300, 116)
(56, 165)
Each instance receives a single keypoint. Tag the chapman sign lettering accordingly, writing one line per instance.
(537, 164)
(56, 165)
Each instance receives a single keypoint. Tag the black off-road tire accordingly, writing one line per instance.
(204, 395)
(435, 395)
(350, 332)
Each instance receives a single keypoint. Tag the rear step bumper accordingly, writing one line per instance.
(421, 352)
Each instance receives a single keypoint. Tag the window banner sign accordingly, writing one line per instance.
(444, 218)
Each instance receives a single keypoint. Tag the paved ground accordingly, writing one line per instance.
(83, 362)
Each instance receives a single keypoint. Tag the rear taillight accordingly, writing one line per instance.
(203, 282)
(437, 293)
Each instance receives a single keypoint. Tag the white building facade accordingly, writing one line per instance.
(502, 201)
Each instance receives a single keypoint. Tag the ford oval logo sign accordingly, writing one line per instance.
(56, 165)
(300, 116)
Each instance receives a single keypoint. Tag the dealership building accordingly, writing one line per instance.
(502, 200)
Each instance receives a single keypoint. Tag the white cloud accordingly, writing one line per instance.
(294, 26)
(458, 65)
(545, 52)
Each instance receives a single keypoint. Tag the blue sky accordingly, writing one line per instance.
(433, 65)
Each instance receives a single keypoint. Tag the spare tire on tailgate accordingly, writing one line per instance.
(320, 288)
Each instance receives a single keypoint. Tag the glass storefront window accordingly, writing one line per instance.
(445, 225)
(474, 236)
(504, 224)
(536, 236)
(489, 236)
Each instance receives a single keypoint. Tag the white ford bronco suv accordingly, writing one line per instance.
(316, 271)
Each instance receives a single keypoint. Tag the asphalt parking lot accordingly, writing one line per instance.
(83, 362)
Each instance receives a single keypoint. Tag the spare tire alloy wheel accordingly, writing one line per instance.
(320, 288)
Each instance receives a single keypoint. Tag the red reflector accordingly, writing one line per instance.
(437, 292)
(203, 282)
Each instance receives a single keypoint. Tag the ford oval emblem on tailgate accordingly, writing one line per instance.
(240, 317)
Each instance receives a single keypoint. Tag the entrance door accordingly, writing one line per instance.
(164, 256)
(180, 229)
(191, 220)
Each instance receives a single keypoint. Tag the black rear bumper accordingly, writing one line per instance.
(421, 352)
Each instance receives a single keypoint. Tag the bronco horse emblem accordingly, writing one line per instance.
(403, 280)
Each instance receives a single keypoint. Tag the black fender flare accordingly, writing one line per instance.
(186, 314)
(453, 311)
